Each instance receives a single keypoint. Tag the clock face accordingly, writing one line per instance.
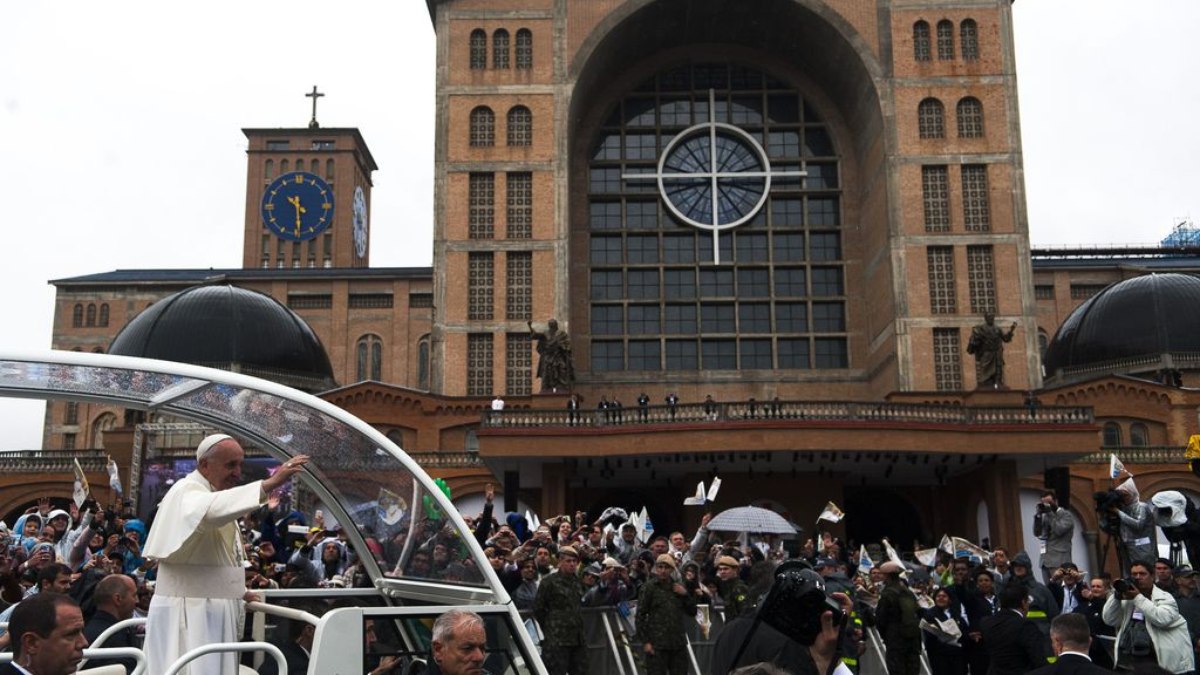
(297, 206)
(359, 218)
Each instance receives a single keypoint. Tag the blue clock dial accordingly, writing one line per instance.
(297, 206)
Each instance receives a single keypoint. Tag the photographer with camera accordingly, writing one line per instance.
(1055, 526)
(1149, 627)
(1137, 525)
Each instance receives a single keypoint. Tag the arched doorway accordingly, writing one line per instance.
(875, 513)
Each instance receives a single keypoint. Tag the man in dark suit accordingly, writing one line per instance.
(1014, 644)
(47, 636)
(1066, 586)
(1070, 638)
(116, 598)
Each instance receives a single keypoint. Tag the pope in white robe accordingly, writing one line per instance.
(198, 598)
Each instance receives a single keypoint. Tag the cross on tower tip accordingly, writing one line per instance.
(314, 95)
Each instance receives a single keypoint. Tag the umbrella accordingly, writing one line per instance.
(751, 519)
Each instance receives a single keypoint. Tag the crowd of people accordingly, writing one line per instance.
(969, 610)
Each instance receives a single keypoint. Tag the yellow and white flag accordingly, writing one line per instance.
(81, 491)
(831, 513)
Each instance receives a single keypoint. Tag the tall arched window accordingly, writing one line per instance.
(1139, 435)
(524, 49)
(370, 358)
(91, 315)
(103, 314)
(931, 119)
(779, 298)
(269, 170)
(483, 127)
(77, 317)
(968, 35)
(500, 49)
(283, 166)
(102, 424)
(423, 362)
(478, 49)
(314, 167)
(921, 48)
(329, 169)
(945, 40)
(1112, 435)
(970, 118)
(520, 125)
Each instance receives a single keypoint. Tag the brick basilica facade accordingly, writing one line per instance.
(797, 207)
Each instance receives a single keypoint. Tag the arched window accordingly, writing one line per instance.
(103, 423)
(483, 127)
(314, 167)
(77, 317)
(283, 166)
(970, 118)
(329, 169)
(524, 49)
(423, 362)
(478, 49)
(104, 314)
(1139, 435)
(1043, 344)
(1112, 435)
(968, 35)
(396, 436)
(370, 358)
(269, 171)
(520, 125)
(945, 40)
(931, 119)
(91, 315)
(921, 49)
(500, 49)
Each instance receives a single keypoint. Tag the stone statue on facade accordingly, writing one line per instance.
(987, 345)
(554, 357)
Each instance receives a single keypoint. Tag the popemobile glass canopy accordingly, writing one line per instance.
(389, 506)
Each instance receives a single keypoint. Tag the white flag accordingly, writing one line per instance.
(891, 553)
(831, 513)
(865, 564)
(1115, 467)
(81, 490)
(114, 477)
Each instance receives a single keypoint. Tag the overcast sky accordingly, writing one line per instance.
(121, 143)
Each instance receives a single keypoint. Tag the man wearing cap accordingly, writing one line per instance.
(663, 604)
(731, 588)
(1164, 575)
(898, 622)
(196, 541)
(1188, 601)
(558, 609)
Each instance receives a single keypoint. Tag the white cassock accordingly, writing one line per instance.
(201, 580)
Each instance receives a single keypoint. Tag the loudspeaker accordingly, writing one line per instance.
(512, 484)
(1059, 480)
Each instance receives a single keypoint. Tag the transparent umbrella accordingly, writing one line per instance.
(751, 519)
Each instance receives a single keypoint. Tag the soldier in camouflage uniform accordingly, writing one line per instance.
(559, 610)
(898, 622)
(731, 588)
(663, 605)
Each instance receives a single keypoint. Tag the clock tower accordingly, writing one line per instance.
(308, 196)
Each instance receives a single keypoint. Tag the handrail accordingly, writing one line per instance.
(285, 612)
(103, 653)
(112, 630)
(205, 650)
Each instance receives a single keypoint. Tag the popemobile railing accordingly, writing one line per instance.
(773, 411)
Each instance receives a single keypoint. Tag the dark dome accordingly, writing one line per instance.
(232, 329)
(1146, 316)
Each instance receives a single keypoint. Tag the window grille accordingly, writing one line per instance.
(524, 49)
(480, 286)
(520, 126)
(968, 35)
(1043, 292)
(478, 50)
(936, 196)
(921, 45)
(942, 291)
(519, 281)
(947, 359)
(976, 207)
(371, 301)
(981, 277)
(500, 49)
(481, 208)
(483, 127)
(931, 119)
(970, 118)
(945, 40)
(479, 364)
(518, 365)
(310, 301)
(420, 300)
(519, 204)
(1085, 291)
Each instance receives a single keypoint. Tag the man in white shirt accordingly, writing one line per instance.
(195, 539)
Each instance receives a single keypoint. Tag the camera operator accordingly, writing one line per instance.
(1150, 630)
(1055, 526)
(1137, 525)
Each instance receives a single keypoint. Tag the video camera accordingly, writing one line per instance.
(796, 601)
(1106, 502)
